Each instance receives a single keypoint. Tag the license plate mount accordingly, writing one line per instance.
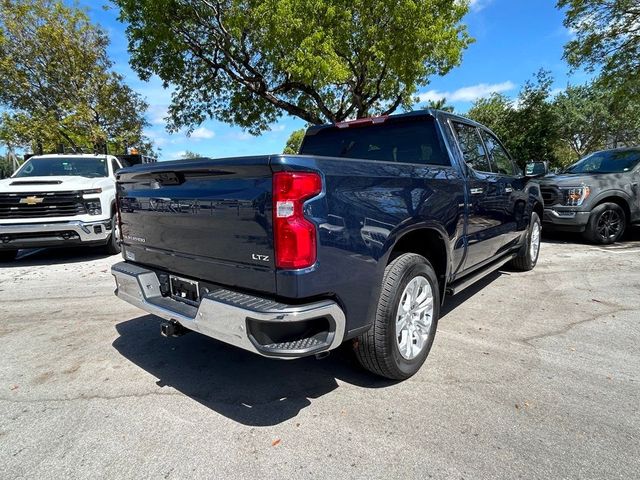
(184, 290)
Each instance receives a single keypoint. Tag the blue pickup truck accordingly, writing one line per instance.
(357, 238)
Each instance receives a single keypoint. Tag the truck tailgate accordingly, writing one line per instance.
(205, 219)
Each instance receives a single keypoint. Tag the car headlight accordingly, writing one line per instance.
(93, 191)
(93, 206)
(575, 196)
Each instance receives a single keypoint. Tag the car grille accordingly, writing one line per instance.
(551, 196)
(41, 204)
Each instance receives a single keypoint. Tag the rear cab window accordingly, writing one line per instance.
(403, 140)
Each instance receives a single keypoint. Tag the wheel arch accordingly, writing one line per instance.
(617, 199)
(429, 242)
(538, 207)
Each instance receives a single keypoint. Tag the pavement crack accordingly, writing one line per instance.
(568, 327)
(90, 397)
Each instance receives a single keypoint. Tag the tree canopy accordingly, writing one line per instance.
(562, 128)
(6, 167)
(528, 126)
(607, 36)
(440, 104)
(294, 142)
(56, 83)
(247, 62)
(188, 155)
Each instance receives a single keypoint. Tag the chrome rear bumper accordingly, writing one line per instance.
(235, 318)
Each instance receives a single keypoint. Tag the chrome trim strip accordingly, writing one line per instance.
(222, 314)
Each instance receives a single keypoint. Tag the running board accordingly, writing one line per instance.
(469, 280)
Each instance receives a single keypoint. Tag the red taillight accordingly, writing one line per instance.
(294, 235)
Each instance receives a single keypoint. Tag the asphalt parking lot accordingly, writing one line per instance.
(533, 375)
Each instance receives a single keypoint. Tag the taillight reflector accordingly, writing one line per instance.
(294, 235)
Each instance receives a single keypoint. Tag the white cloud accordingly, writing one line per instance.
(467, 94)
(175, 155)
(159, 141)
(241, 136)
(477, 5)
(157, 114)
(202, 133)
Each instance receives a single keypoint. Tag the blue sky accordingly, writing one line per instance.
(514, 39)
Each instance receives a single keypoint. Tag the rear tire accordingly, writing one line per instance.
(606, 225)
(113, 245)
(8, 255)
(399, 341)
(528, 256)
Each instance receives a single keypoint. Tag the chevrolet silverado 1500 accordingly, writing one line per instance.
(358, 237)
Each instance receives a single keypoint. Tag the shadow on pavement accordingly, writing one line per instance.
(52, 256)
(451, 303)
(240, 385)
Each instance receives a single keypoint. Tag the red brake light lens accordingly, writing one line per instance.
(295, 236)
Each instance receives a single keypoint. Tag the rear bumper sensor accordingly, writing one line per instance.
(257, 324)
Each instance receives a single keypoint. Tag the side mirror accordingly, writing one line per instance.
(537, 169)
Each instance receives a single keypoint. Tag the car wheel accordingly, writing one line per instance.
(404, 328)
(113, 244)
(528, 256)
(8, 255)
(606, 224)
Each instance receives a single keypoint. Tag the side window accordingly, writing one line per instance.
(115, 165)
(472, 147)
(499, 157)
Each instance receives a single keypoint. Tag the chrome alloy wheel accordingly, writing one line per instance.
(534, 243)
(414, 317)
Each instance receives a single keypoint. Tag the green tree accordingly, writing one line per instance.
(535, 121)
(56, 86)
(247, 62)
(592, 117)
(495, 112)
(294, 142)
(624, 116)
(578, 121)
(189, 155)
(607, 37)
(6, 167)
(440, 104)
(584, 120)
(529, 125)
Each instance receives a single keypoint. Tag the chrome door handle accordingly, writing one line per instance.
(476, 191)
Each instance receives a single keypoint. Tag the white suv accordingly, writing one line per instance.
(59, 200)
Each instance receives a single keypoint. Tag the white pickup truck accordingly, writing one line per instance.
(59, 200)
